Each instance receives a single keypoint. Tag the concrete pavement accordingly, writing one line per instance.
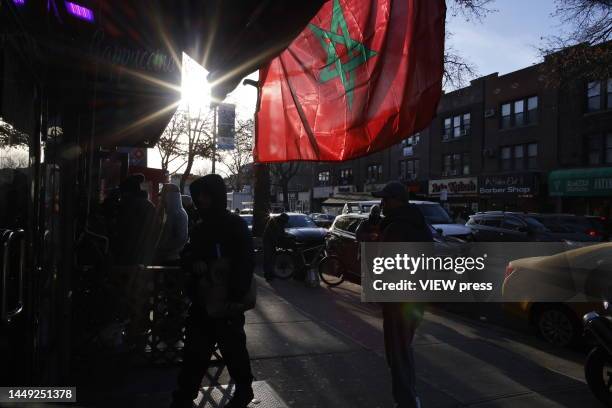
(324, 348)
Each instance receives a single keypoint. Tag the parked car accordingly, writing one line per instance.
(570, 227)
(601, 226)
(499, 226)
(529, 279)
(434, 214)
(341, 241)
(303, 237)
(323, 220)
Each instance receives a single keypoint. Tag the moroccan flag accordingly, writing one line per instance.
(362, 76)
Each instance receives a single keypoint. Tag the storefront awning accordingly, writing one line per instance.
(592, 182)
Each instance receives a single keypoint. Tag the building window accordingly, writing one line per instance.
(519, 157)
(596, 99)
(532, 156)
(456, 126)
(324, 178)
(408, 169)
(346, 176)
(455, 164)
(375, 173)
(521, 112)
(409, 144)
(599, 149)
(506, 158)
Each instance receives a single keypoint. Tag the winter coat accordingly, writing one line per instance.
(219, 235)
(135, 235)
(174, 227)
(405, 224)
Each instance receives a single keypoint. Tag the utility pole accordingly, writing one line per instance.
(214, 146)
(261, 175)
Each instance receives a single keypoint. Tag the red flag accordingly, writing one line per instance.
(362, 76)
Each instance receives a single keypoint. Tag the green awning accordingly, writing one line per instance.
(595, 182)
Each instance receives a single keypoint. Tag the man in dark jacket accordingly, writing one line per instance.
(219, 234)
(403, 222)
(134, 236)
(272, 237)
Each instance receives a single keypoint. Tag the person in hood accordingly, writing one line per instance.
(134, 236)
(174, 226)
(402, 222)
(219, 234)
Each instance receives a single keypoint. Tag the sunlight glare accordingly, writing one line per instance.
(195, 88)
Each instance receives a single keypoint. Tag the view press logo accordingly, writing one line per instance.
(412, 265)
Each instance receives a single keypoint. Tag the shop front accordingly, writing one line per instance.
(458, 195)
(585, 191)
(510, 192)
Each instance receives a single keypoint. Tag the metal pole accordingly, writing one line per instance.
(214, 146)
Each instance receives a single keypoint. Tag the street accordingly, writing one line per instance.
(324, 348)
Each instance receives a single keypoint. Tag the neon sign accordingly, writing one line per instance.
(79, 11)
(19, 2)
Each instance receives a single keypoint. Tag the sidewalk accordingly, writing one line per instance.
(324, 348)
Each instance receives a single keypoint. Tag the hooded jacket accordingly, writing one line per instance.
(174, 232)
(220, 233)
(405, 224)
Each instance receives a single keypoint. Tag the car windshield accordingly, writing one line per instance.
(248, 219)
(435, 214)
(300, 221)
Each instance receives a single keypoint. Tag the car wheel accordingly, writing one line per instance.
(557, 325)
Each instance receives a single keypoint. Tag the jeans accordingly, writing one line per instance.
(400, 321)
(202, 333)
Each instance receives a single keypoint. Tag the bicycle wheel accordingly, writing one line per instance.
(331, 270)
(284, 266)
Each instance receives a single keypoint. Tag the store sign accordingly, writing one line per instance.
(453, 187)
(596, 182)
(515, 184)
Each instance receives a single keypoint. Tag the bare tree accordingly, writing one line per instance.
(282, 174)
(198, 143)
(169, 144)
(584, 52)
(237, 159)
(458, 71)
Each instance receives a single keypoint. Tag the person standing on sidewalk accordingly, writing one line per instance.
(402, 222)
(272, 236)
(220, 234)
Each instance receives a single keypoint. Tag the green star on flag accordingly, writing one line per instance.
(356, 50)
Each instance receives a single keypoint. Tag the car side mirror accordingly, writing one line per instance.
(440, 231)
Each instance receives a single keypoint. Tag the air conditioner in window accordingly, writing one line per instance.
(453, 172)
(489, 113)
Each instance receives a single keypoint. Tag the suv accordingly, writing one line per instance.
(435, 215)
(499, 226)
